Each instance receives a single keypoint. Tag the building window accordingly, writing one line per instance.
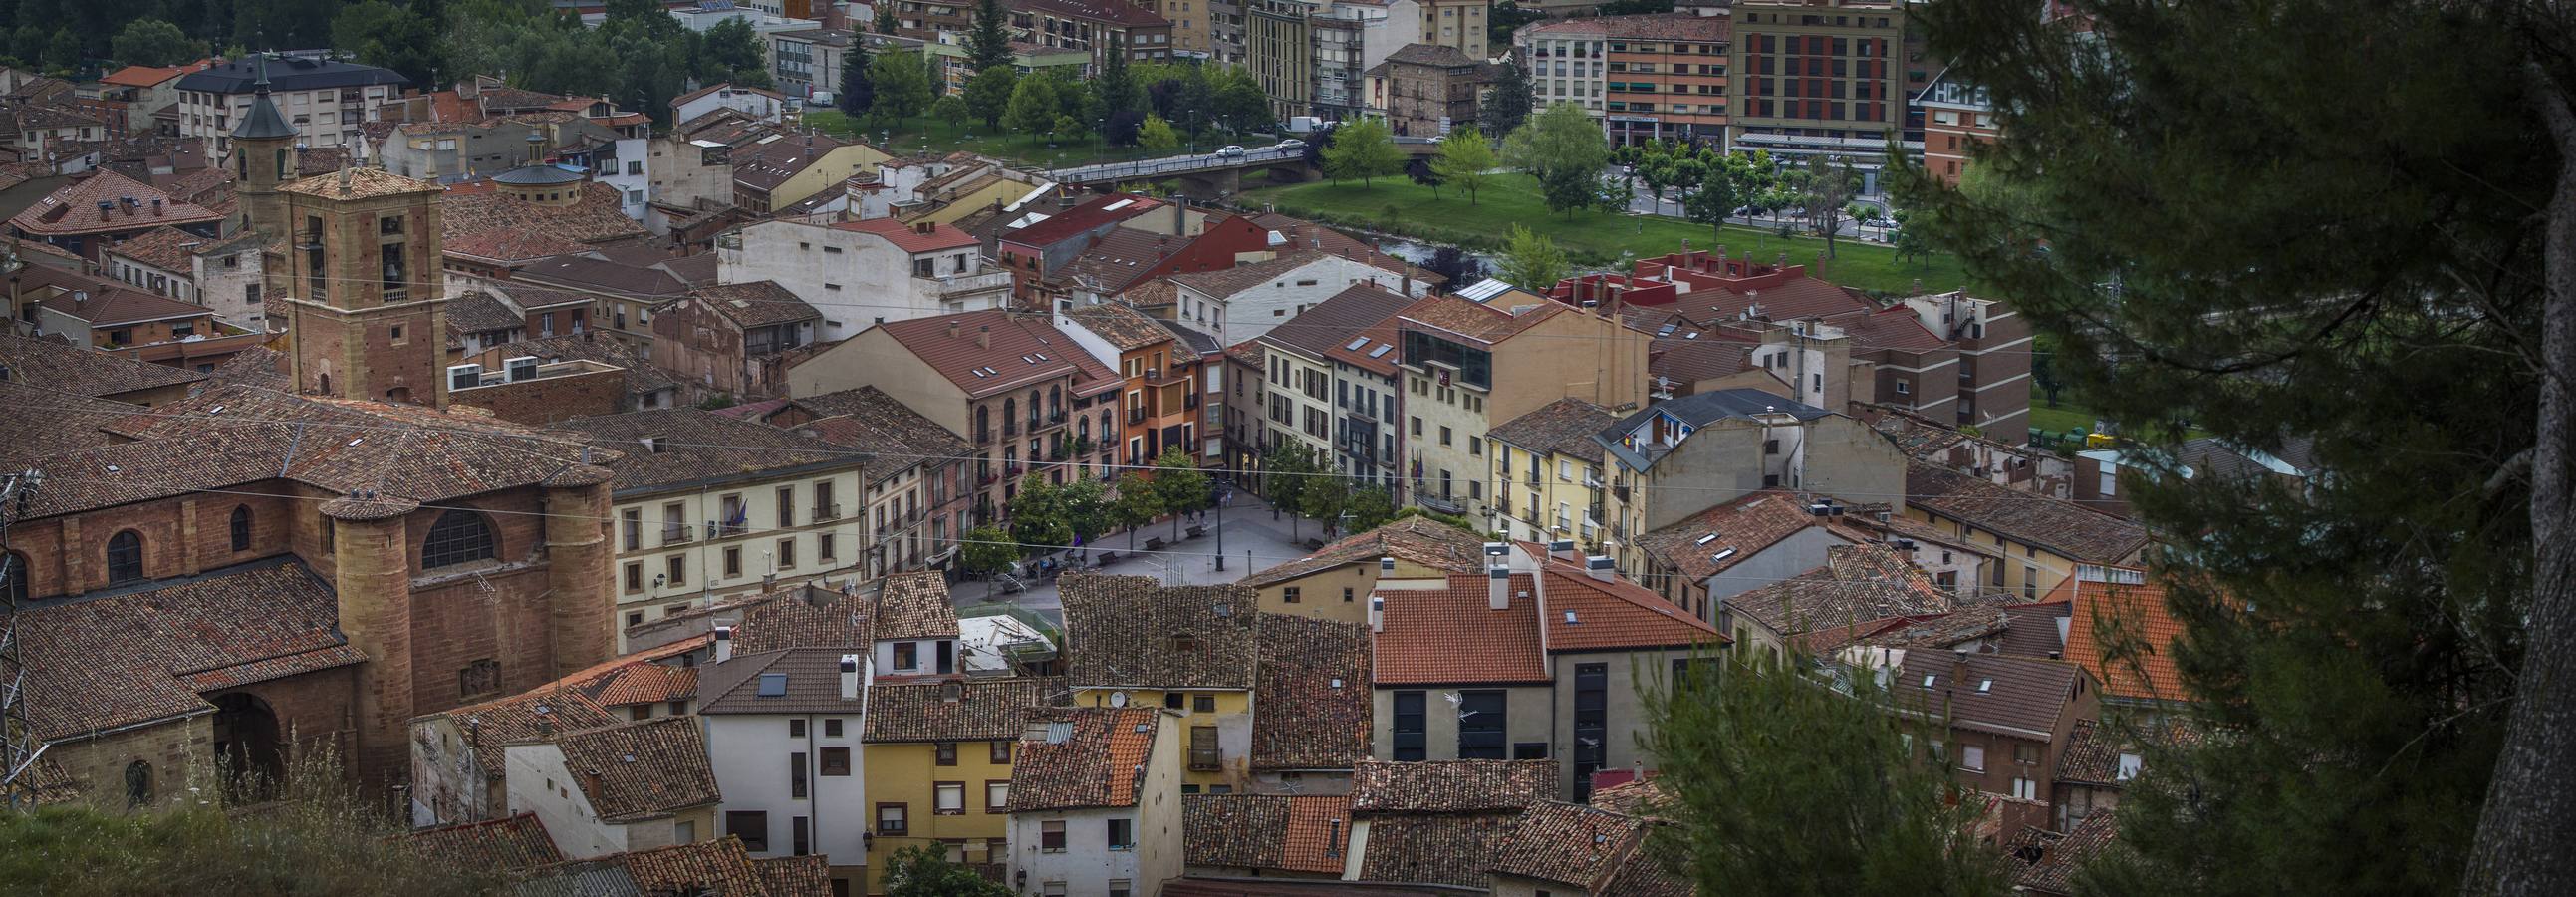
(1289, 594)
(1001, 755)
(802, 838)
(907, 656)
(1051, 836)
(2025, 789)
(732, 562)
(124, 557)
(997, 795)
(836, 761)
(752, 826)
(1122, 834)
(241, 528)
(1480, 725)
(832, 727)
(1408, 730)
(138, 783)
(786, 553)
(796, 775)
(892, 819)
(948, 798)
(459, 536)
(634, 577)
(946, 751)
(676, 567)
(796, 727)
(1972, 758)
(1204, 755)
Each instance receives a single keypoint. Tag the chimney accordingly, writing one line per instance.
(1386, 566)
(1377, 613)
(156, 213)
(1561, 549)
(1498, 587)
(814, 596)
(724, 643)
(983, 336)
(849, 677)
(952, 328)
(1598, 567)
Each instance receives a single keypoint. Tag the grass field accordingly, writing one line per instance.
(1399, 206)
(925, 134)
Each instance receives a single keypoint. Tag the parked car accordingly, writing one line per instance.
(1229, 150)
(1289, 144)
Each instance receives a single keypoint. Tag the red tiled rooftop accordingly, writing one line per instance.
(1453, 635)
(912, 240)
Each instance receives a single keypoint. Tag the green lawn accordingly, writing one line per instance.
(2064, 417)
(1396, 205)
(925, 134)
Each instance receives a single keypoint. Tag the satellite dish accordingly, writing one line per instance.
(1118, 699)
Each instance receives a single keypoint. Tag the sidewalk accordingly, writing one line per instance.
(1252, 541)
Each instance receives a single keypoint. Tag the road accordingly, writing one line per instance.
(1168, 165)
(1252, 541)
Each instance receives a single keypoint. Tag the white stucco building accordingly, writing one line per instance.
(631, 786)
(863, 273)
(1096, 803)
(1244, 302)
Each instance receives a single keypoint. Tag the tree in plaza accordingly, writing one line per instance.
(1033, 106)
(1772, 772)
(923, 870)
(1508, 104)
(1179, 486)
(2379, 648)
(1715, 199)
(858, 90)
(1532, 261)
(1370, 507)
(1466, 159)
(1827, 192)
(1157, 135)
(1037, 517)
(1326, 494)
(988, 94)
(1085, 506)
(1365, 150)
(988, 37)
(903, 86)
(1659, 173)
(987, 551)
(1137, 504)
(1565, 151)
(950, 109)
(1285, 468)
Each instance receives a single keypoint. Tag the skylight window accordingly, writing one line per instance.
(773, 685)
(1985, 685)
(1357, 342)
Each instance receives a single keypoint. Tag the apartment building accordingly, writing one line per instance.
(1423, 90)
(860, 274)
(915, 500)
(1332, 382)
(1094, 26)
(1830, 78)
(324, 100)
(708, 506)
(1679, 457)
(1278, 41)
(1957, 116)
(809, 59)
(1189, 650)
(1094, 803)
(1549, 477)
(1159, 398)
(1468, 365)
(1647, 77)
(940, 752)
(1567, 61)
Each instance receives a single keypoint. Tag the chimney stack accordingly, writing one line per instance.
(849, 677)
(952, 328)
(983, 336)
(1498, 587)
(1561, 549)
(1377, 613)
(1598, 567)
(724, 643)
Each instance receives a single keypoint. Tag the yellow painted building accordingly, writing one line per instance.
(1334, 583)
(938, 754)
(1133, 642)
(1211, 721)
(2042, 540)
(1549, 477)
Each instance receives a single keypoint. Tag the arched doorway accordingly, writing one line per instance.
(247, 747)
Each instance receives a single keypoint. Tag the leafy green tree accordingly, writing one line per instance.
(1286, 468)
(1533, 262)
(1774, 774)
(886, 23)
(1563, 148)
(2383, 642)
(988, 37)
(1466, 159)
(1033, 106)
(1659, 173)
(1240, 103)
(1827, 192)
(903, 86)
(28, 43)
(1715, 199)
(1038, 520)
(988, 94)
(1179, 486)
(1085, 505)
(1508, 105)
(858, 90)
(1116, 86)
(1363, 149)
(1157, 136)
(1137, 504)
(731, 52)
(62, 51)
(156, 42)
(1067, 127)
(1370, 507)
(950, 109)
(1324, 496)
(987, 551)
(923, 870)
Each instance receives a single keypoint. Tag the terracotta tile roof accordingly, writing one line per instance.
(1298, 833)
(867, 418)
(1457, 318)
(982, 709)
(642, 376)
(768, 165)
(597, 275)
(166, 248)
(757, 304)
(1858, 583)
(477, 311)
(2061, 526)
(2091, 755)
(1640, 797)
(647, 683)
(2018, 696)
(72, 209)
(1418, 540)
(806, 876)
(123, 656)
(1359, 313)
(1312, 693)
(1786, 299)
(1154, 293)
(915, 606)
(1014, 358)
(692, 446)
(718, 868)
(1587, 614)
(508, 245)
(813, 683)
(1451, 786)
(1563, 427)
(693, 270)
(533, 715)
(1121, 327)
(1226, 282)
(1135, 632)
(1650, 873)
(1747, 525)
(1096, 212)
(910, 238)
(598, 217)
(1447, 849)
(109, 308)
(516, 842)
(642, 770)
(2055, 871)
(51, 421)
(1569, 844)
(1118, 258)
(2129, 616)
(1301, 232)
(808, 617)
(54, 365)
(360, 183)
(1452, 635)
(151, 75)
(1438, 55)
(1098, 761)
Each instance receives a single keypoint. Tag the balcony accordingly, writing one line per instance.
(827, 513)
(1010, 429)
(1205, 760)
(1440, 503)
(960, 286)
(678, 533)
(1620, 490)
(1136, 417)
(1164, 376)
(1012, 471)
(984, 436)
(718, 530)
